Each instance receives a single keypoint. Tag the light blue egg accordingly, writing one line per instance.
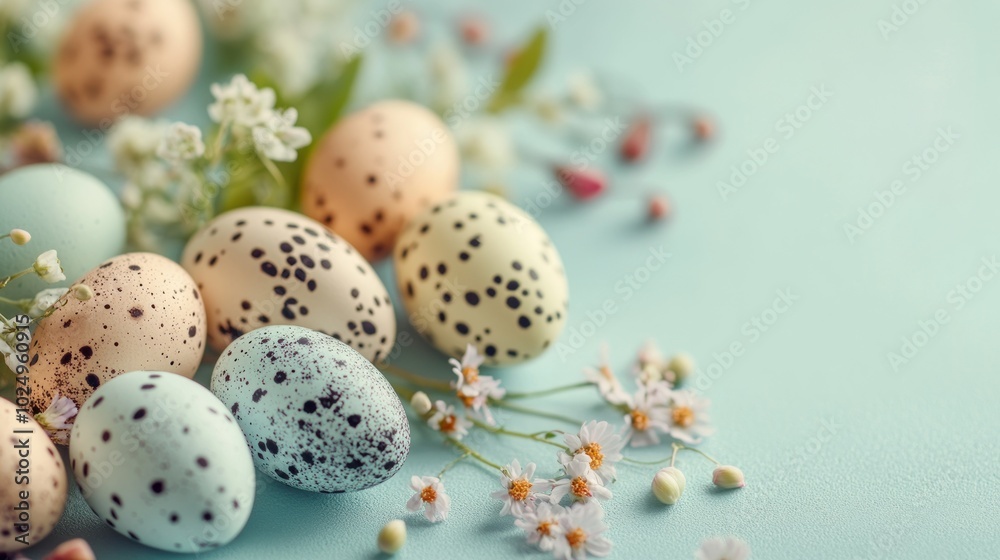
(63, 209)
(317, 415)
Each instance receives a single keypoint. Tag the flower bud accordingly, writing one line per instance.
(76, 549)
(82, 292)
(19, 236)
(727, 476)
(392, 537)
(668, 485)
(637, 139)
(584, 184)
(421, 403)
(682, 365)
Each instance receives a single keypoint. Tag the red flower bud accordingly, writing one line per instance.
(474, 30)
(658, 207)
(584, 184)
(635, 146)
(703, 128)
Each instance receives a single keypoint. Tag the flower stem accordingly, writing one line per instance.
(677, 447)
(452, 464)
(468, 451)
(405, 392)
(15, 276)
(550, 391)
(273, 170)
(532, 412)
(699, 452)
(418, 380)
(673, 456)
(500, 430)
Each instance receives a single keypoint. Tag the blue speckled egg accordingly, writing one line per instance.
(162, 462)
(63, 209)
(317, 415)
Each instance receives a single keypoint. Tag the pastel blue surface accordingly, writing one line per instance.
(847, 454)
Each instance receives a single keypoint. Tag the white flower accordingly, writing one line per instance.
(133, 142)
(289, 58)
(608, 385)
(485, 141)
(44, 300)
(429, 492)
(582, 528)
(648, 414)
(729, 548)
(19, 236)
(55, 419)
(688, 417)
(7, 345)
(241, 103)
(473, 389)
(182, 142)
(48, 268)
(445, 421)
(278, 138)
(18, 93)
(583, 92)
(600, 444)
(421, 403)
(82, 292)
(581, 483)
(520, 491)
(542, 524)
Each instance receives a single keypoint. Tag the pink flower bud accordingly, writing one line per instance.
(728, 476)
(76, 549)
(703, 128)
(658, 207)
(584, 184)
(635, 145)
(404, 28)
(475, 31)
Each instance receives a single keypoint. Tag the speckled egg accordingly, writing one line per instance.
(376, 169)
(146, 314)
(44, 481)
(477, 270)
(259, 266)
(317, 415)
(119, 57)
(162, 461)
(63, 209)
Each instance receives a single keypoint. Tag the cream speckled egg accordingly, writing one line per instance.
(376, 169)
(145, 314)
(44, 481)
(162, 462)
(119, 57)
(477, 270)
(317, 415)
(265, 266)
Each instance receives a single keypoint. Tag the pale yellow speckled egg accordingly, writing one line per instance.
(119, 57)
(146, 314)
(266, 266)
(43, 481)
(376, 169)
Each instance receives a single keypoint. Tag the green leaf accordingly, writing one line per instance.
(522, 69)
(335, 96)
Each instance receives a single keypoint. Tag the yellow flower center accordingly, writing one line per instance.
(428, 494)
(470, 374)
(607, 373)
(683, 416)
(640, 420)
(519, 489)
(579, 487)
(545, 528)
(576, 538)
(447, 424)
(593, 450)
(466, 399)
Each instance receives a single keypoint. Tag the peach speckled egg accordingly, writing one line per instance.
(265, 266)
(146, 314)
(376, 169)
(44, 481)
(127, 56)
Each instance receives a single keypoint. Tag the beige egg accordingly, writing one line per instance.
(119, 57)
(146, 314)
(266, 266)
(43, 482)
(375, 170)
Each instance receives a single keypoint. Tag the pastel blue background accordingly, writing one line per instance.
(845, 455)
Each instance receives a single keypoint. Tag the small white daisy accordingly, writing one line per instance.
(580, 482)
(582, 528)
(541, 524)
(430, 494)
(47, 267)
(599, 442)
(608, 385)
(447, 422)
(44, 300)
(466, 370)
(182, 142)
(278, 138)
(688, 418)
(648, 415)
(473, 389)
(520, 490)
(55, 419)
(729, 548)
